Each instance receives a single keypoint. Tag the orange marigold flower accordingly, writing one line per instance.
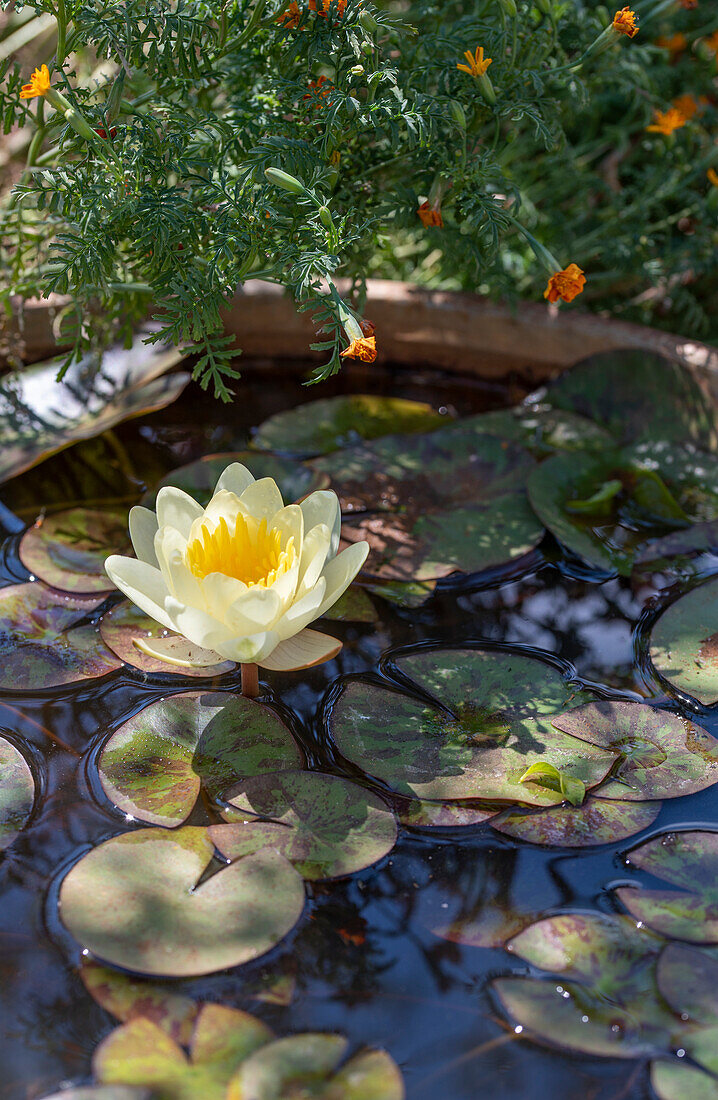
(711, 42)
(566, 284)
(39, 83)
(368, 327)
(712, 176)
(688, 105)
(430, 216)
(665, 122)
(624, 21)
(675, 45)
(364, 348)
(325, 5)
(318, 92)
(688, 3)
(477, 63)
(292, 17)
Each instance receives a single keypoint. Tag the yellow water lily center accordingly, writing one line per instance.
(241, 578)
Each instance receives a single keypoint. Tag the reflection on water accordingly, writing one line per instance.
(365, 955)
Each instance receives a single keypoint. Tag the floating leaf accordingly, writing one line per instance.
(697, 538)
(548, 775)
(595, 822)
(637, 395)
(490, 925)
(688, 982)
(200, 477)
(141, 901)
(676, 1081)
(127, 998)
(154, 766)
(328, 826)
(496, 727)
(354, 606)
(326, 425)
(543, 430)
(40, 416)
(684, 643)
(688, 860)
(68, 549)
(422, 814)
(403, 593)
(663, 755)
(40, 647)
(17, 792)
(124, 628)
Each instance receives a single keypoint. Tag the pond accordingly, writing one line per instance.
(444, 694)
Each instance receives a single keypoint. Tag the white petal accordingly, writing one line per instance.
(143, 584)
(177, 509)
(314, 555)
(285, 586)
(302, 651)
(174, 650)
(235, 479)
(262, 499)
(143, 528)
(341, 571)
(256, 610)
(290, 521)
(250, 650)
(224, 504)
(171, 547)
(322, 506)
(197, 625)
(303, 612)
(220, 592)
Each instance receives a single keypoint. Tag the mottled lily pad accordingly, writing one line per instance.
(141, 901)
(543, 430)
(333, 422)
(688, 860)
(688, 982)
(684, 643)
(128, 998)
(422, 814)
(124, 626)
(40, 647)
(595, 822)
(324, 825)
(491, 725)
(677, 1081)
(663, 755)
(68, 549)
(17, 792)
(154, 766)
(637, 395)
(199, 478)
(355, 606)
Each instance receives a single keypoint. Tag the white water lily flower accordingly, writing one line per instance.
(242, 577)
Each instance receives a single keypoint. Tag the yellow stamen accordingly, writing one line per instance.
(250, 553)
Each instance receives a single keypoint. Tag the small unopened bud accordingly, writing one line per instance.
(368, 22)
(356, 70)
(487, 88)
(284, 180)
(114, 99)
(325, 217)
(458, 114)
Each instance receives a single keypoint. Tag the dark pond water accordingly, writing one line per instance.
(364, 956)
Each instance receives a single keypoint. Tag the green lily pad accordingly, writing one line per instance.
(40, 416)
(128, 998)
(154, 766)
(697, 538)
(124, 626)
(408, 594)
(595, 822)
(141, 901)
(319, 427)
(141, 1053)
(68, 549)
(422, 814)
(17, 792)
(684, 643)
(543, 430)
(677, 1081)
(637, 395)
(663, 755)
(355, 606)
(491, 725)
(688, 982)
(200, 477)
(39, 645)
(324, 825)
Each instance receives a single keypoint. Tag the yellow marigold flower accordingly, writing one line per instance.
(430, 216)
(665, 122)
(675, 45)
(477, 63)
(624, 21)
(712, 176)
(364, 348)
(566, 284)
(39, 83)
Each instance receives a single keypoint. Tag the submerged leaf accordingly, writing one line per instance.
(128, 998)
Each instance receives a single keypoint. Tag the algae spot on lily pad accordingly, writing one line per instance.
(67, 550)
(595, 822)
(142, 901)
(124, 628)
(200, 477)
(684, 643)
(488, 726)
(40, 646)
(154, 766)
(676, 1081)
(328, 826)
(319, 427)
(17, 792)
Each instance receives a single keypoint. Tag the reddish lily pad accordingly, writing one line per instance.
(684, 643)
(325, 826)
(422, 814)
(40, 647)
(141, 901)
(663, 755)
(124, 625)
(319, 427)
(200, 477)
(17, 792)
(595, 822)
(677, 1081)
(491, 725)
(68, 549)
(128, 998)
(154, 766)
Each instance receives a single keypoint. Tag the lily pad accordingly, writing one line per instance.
(491, 725)
(68, 549)
(155, 765)
(422, 814)
(40, 416)
(40, 647)
(124, 628)
(17, 792)
(676, 1081)
(142, 901)
(543, 430)
(684, 643)
(688, 982)
(696, 539)
(328, 826)
(663, 755)
(403, 593)
(637, 395)
(128, 998)
(355, 606)
(490, 924)
(688, 860)
(319, 427)
(595, 822)
(200, 477)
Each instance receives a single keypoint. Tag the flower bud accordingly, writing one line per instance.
(114, 99)
(284, 180)
(356, 70)
(458, 114)
(368, 22)
(325, 217)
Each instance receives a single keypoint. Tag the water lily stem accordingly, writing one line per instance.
(250, 681)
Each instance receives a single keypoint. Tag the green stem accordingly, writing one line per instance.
(61, 17)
